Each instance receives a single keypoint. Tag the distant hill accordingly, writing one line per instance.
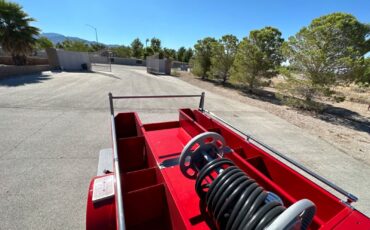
(56, 38)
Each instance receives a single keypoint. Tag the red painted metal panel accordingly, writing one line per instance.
(292, 182)
(131, 153)
(355, 220)
(166, 143)
(146, 208)
(162, 125)
(139, 179)
(162, 198)
(184, 195)
(101, 215)
(189, 124)
(126, 125)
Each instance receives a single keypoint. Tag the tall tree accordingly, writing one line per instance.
(169, 53)
(366, 75)
(181, 54)
(331, 48)
(43, 43)
(17, 36)
(223, 54)
(137, 48)
(148, 51)
(258, 57)
(202, 57)
(249, 66)
(94, 47)
(121, 51)
(155, 45)
(188, 54)
(269, 41)
(72, 45)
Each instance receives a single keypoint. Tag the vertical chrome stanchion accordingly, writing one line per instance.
(110, 60)
(201, 102)
(111, 104)
(119, 200)
(118, 192)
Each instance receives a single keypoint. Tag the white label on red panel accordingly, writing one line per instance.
(103, 188)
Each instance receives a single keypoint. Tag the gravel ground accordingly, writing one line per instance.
(354, 140)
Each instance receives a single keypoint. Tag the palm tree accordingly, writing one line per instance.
(17, 37)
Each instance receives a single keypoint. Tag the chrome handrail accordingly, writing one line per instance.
(119, 200)
(350, 197)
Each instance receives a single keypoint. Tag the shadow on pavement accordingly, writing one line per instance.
(107, 74)
(14, 81)
(345, 117)
(331, 114)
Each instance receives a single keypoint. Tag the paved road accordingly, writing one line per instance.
(53, 125)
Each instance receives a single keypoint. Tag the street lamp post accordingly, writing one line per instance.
(96, 32)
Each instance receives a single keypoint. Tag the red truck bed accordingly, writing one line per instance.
(156, 195)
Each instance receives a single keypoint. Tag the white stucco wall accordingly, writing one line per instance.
(70, 60)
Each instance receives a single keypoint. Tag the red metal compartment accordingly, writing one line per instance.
(144, 196)
(156, 197)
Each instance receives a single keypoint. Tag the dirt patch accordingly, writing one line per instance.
(348, 130)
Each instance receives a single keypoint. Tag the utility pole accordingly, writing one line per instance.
(110, 60)
(96, 32)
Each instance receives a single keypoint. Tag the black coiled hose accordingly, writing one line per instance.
(234, 200)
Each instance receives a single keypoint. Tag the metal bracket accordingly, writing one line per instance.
(169, 163)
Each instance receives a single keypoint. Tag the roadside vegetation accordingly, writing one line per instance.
(135, 50)
(314, 65)
(17, 36)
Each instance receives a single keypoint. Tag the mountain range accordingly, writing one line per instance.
(57, 38)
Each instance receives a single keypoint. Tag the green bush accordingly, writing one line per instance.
(301, 93)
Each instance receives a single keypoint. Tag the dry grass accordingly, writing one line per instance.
(355, 93)
(346, 125)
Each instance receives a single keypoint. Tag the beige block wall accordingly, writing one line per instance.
(7, 60)
(11, 70)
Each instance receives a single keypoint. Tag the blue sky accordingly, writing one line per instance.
(181, 23)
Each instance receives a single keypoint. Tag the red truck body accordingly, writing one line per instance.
(155, 196)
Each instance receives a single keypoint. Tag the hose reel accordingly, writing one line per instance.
(233, 199)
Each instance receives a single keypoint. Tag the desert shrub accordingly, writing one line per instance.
(301, 94)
